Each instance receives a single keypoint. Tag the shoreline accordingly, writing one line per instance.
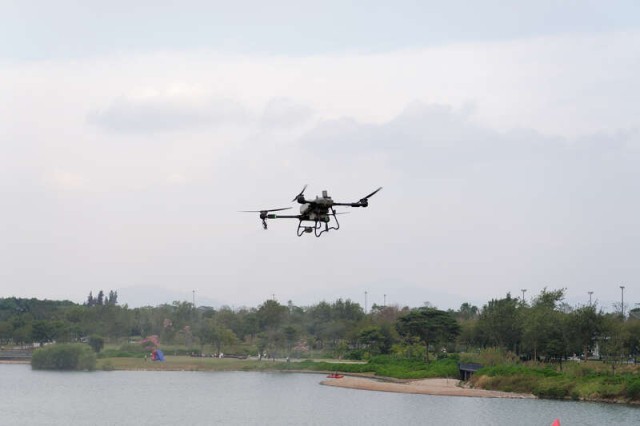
(441, 387)
(358, 381)
(438, 387)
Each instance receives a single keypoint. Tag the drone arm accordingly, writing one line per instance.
(361, 203)
(282, 216)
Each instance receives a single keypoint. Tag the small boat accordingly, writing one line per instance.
(335, 376)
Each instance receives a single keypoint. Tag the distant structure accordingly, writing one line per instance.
(466, 370)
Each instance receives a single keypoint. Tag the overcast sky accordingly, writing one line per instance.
(505, 134)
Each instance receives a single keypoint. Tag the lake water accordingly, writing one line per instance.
(252, 398)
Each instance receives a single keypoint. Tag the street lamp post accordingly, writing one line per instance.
(523, 291)
(590, 293)
(365, 302)
(622, 301)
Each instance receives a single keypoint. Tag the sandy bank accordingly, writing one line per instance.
(446, 387)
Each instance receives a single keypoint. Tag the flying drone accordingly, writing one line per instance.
(316, 216)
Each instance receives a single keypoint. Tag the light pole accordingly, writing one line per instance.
(622, 301)
(365, 302)
(590, 293)
(385, 301)
(523, 291)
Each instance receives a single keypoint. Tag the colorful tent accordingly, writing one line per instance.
(157, 355)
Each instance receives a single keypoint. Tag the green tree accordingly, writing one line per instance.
(586, 325)
(96, 342)
(429, 326)
(543, 322)
(90, 300)
(216, 334)
(22, 334)
(42, 331)
(467, 312)
(499, 323)
(633, 332)
(271, 314)
(613, 339)
(375, 340)
(6, 332)
(112, 299)
(290, 335)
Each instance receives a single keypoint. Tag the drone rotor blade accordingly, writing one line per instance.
(266, 210)
(372, 194)
(301, 192)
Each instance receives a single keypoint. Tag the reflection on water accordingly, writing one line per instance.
(245, 398)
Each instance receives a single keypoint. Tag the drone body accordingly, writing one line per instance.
(316, 216)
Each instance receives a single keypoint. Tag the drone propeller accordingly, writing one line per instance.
(372, 194)
(268, 210)
(297, 197)
(263, 213)
(364, 202)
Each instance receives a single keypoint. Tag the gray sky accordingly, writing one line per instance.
(506, 139)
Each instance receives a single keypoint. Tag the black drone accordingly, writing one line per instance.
(315, 215)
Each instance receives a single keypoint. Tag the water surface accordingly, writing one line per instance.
(253, 398)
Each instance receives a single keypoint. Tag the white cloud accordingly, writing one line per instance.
(156, 113)
(564, 85)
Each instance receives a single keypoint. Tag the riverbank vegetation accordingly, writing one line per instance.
(591, 381)
(379, 366)
(63, 356)
(519, 343)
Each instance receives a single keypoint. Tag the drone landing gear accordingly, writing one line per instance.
(318, 229)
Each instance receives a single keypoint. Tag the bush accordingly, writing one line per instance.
(96, 342)
(356, 354)
(632, 389)
(553, 389)
(518, 370)
(551, 392)
(66, 356)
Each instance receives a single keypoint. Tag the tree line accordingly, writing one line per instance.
(545, 328)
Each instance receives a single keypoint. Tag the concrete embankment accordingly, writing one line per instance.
(15, 355)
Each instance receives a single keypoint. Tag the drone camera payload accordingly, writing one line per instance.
(319, 211)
